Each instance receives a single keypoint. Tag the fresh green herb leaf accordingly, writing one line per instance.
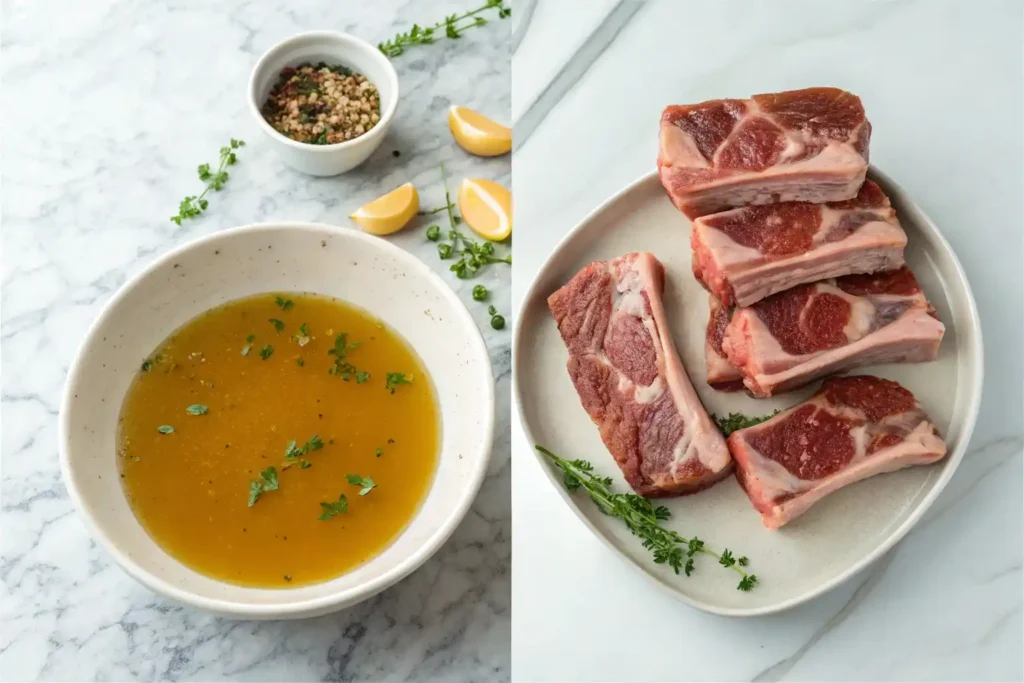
(266, 482)
(341, 366)
(304, 465)
(283, 304)
(165, 429)
(434, 233)
(302, 336)
(473, 255)
(491, 310)
(196, 409)
(395, 379)
(248, 344)
(747, 582)
(362, 377)
(644, 521)
(479, 293)
(278, 324)
(329, 510)
(192, 206)
(266, 352)
(366, 483)
(293, 451)
(453, 25)
(736, 421)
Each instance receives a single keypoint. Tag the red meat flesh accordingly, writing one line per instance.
(853, 428)
(630, 380)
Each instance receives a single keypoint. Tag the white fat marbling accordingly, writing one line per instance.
(108, 109)
(942, 84)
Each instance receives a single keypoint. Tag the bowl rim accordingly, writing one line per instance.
(332, 38)
(895, 536)
(298, 608)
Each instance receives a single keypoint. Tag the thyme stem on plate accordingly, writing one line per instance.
(644, 521)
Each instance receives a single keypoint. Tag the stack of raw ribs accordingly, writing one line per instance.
(803, 257)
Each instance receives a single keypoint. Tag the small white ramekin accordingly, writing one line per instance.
(333, 48)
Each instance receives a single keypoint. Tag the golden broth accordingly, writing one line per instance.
(190, 488)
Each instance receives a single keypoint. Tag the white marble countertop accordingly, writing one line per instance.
(942, 84)
(109, 108)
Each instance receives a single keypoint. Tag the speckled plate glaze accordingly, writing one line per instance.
(363, 270)
(840, 535)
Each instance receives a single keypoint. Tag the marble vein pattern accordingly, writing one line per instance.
(946, 603)
(109, 106)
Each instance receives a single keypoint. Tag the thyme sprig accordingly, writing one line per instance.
(454, 25)
(193, 206)
(472, 255)
(643, 520)
(734, 422)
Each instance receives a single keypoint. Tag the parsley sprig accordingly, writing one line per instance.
(266, 482)
(329, 510)
(341, 366)
(395, 379)
(736, 421)
(453, 24)
(193, 206)
(366, 484)
(643, 520)
(292, 451)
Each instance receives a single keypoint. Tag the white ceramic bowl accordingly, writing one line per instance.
(333, 48)
(364, 270)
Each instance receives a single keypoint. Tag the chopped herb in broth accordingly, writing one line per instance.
(230, 489)
(395, 379)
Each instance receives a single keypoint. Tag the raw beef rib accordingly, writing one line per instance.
(810, 331)
(803, 145)
(853, 428)
(630, 379)
(722, 374)
(746, 254)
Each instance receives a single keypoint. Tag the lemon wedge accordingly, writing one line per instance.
(477, 134)
(486, 207)
(390, 213)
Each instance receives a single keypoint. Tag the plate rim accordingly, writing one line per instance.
(955, 458)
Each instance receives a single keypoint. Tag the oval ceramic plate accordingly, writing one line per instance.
(840, 535)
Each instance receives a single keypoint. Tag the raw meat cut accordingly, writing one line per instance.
(746, 254)
(853, 428)
(722, 374)
(799, 146)
(630, 380)
(804, 333)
